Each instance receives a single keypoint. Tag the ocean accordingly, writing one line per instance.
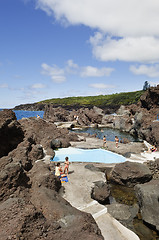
(26, 114)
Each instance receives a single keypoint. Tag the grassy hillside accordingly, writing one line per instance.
(99, 101)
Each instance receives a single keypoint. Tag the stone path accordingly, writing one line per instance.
(78, 193)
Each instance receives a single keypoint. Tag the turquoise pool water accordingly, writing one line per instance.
(87, 155)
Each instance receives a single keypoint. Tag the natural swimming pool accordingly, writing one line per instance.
(87, 155)
(108, 132)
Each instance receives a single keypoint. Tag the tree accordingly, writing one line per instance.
(146, 85)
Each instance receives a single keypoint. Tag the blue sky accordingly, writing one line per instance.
(61, 48)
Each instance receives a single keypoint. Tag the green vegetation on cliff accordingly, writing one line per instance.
(99, 101)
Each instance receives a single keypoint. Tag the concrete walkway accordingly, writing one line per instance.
(137, 150)
(78, 194)
(78, 188)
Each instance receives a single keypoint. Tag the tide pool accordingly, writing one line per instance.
(87, 155)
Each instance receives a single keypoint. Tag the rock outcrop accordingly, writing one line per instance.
(31, 207)
(150, 98)
(148, 198)
(31, 107)
(123, 213)
(139, 120)
(85, 116)
(130, 174)
(11, 133)
(101, 192)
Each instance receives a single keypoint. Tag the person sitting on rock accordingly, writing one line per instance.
(153, 149)
(58, 171)
(66, 165)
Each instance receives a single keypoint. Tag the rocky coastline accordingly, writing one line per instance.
(139, 120)
(23, 178)
(31, 207)
(30, 200)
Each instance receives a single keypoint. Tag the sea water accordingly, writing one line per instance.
(108, 132)
(26, 114)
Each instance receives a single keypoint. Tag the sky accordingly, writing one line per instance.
(63, 48)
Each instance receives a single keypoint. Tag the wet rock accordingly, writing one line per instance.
(101, 192)
(147, 195)
(130, 174)
(127, 155)
(123, 213)
(56, 143)
(125, 140)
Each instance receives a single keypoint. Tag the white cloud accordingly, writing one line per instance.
(150, 71)
(56, 74)
(117, 17)
(90, 71)
(4, 85)
(101, 86)
(133, 23)
(141, 49)
(71, 64)
(37, 86)
(71, 67)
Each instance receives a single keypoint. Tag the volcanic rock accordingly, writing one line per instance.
(12, 176)
(11, 133)
(150, 98)
(101, 192)
(147, 195)
(30, 205)
(130, 174)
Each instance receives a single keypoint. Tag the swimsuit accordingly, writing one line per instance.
(57, 171)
